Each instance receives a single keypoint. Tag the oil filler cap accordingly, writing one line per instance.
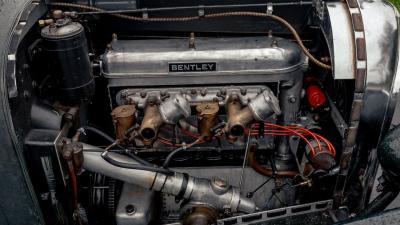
(315, 96)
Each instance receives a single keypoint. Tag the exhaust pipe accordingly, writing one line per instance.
(216, 192)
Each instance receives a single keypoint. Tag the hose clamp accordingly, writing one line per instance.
(270, 9)
(145, 14)
(200, 11)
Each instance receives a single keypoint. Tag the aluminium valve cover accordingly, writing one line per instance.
(210, 60)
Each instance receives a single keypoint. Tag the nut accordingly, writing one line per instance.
(220, 182)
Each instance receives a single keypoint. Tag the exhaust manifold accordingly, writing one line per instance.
(216, 193)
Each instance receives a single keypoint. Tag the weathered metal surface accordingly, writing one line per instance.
(216, 60)
(274, 214)
(376, 84)
(359, 61)
(337, 30)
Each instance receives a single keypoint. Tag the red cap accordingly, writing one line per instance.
(315, 96)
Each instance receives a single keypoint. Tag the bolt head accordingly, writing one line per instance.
(223, 91)
(220, 182)
(130, 209)
(292, 99)
(203, 92)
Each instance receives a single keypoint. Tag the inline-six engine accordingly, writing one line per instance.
(210, 98)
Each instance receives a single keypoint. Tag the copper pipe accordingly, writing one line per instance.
(74, 183)
(151, 124)
(72, 152)
(76, 136)
(263, 170)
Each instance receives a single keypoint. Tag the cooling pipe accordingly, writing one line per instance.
(216, 192)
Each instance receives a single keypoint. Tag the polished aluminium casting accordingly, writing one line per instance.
(264, 105)
(218, 195)
(220, 56)
(194, 95)
(136, 205)
(174, 109)
(222, 61)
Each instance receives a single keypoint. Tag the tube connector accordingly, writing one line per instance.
(168, 112)
(260, 108)
(151, 123)
(216, 193)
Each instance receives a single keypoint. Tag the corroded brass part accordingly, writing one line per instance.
(46, 22)
(207, 118)
(123, 118)
(200, 215)
(238, 118)
(151, 123)
(57, 14)
(73, 152)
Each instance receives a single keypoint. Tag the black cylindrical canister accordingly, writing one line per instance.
(66, 45)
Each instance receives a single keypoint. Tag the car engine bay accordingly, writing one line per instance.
(149, 112)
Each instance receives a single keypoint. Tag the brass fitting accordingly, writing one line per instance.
(199, 215)
(151, 124)
(207, 118)
(43, 23)
(73, 153)
(57, 14)
(238, 118)
(124, 118)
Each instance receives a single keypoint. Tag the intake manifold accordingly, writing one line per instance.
(170, 112)
(260, 108)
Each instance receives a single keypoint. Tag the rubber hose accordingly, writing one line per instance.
(381, 202)
(134, 166)
(112, 140)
